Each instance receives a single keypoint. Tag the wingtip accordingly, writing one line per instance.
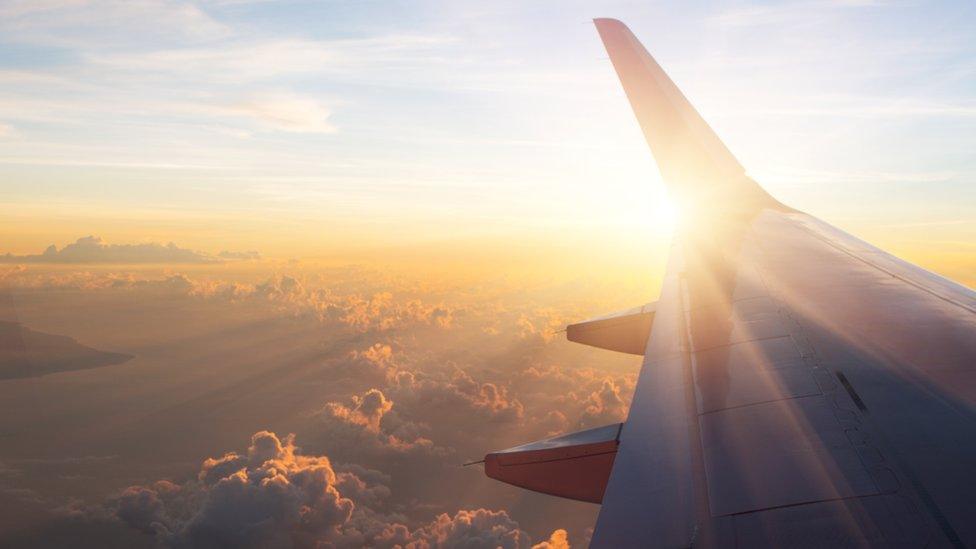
(693, 161)
(608, 21)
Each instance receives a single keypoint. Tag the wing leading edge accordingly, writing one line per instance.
(697, 167)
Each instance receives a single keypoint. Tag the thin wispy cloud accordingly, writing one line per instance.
(97, 23)
(283, 111)
(809, 177)
(753, 15)
(863, 107)
(934, 223)
(256, 58)
(343, 111)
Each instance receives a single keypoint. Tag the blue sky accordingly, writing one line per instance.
(241, 124)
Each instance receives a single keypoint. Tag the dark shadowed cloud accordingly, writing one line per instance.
(29, 353)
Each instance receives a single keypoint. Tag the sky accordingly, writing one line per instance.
(333, 244)
(300, 128)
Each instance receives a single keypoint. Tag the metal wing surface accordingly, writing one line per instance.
(800, 387)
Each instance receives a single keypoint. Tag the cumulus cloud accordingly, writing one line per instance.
(477, 529)
(461, 410)
(437, 397)
(274, 496)
(269, 496)
(382, 312)
(360, 426)
(367, 487)
(377, 312)
(375, 363)
(605, 406)
(22, 277)
(542, 326)
(250, 254)
(578, 398)
(92, 249)
(558, 540)
(367, 410)
(142, 508)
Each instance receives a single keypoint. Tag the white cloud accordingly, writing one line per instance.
(802, 177)
(286, 112)
(226, 79)
(236, 60)
(226, 61)
(765, 14)
(863, 106)
(90, 23)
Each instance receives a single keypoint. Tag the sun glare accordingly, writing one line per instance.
(666, 215)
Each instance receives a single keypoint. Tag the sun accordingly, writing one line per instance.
(666, 215)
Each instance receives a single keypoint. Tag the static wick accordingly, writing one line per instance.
(472, 463)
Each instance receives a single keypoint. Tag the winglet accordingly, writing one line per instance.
(697, 167)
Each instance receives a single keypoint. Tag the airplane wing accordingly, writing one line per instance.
(799, 387)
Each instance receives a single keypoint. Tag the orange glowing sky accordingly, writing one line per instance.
(306, 130)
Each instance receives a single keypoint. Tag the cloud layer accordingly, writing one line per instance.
(92, 249)
(396, 378)
(272, 495)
